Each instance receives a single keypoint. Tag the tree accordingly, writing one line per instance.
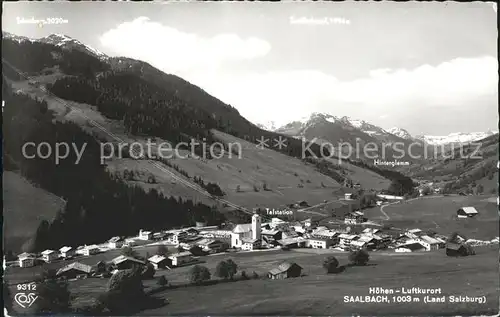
(162, 250)
(330, 264)
(226, 269)
(479, 189)
(199, 274)
(128, 251)
(359, 257)
(222, 270)
(162, 281)
(125, 292)
(244, 275)
(148, 272)
(426, 190)
(53, 297)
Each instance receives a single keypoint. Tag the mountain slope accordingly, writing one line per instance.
(24, 206)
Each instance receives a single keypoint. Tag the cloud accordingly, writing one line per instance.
(175, 51)
(319, 21)
(284, 96)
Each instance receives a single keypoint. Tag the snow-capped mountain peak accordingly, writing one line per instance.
(456, 137)
(402, 133)
(65, 41)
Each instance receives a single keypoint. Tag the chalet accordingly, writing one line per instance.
(178, 237)
(90, 250)
(307, 223)
(67, 252)
(249, 244)
(293, 242)
(429, 243)
(390, 197)
(410, 247)
(26, 260)
(319, 243)
(159, 236)
(192, 232)
(346, 239)
(348, 196)
(285, 270)
(370, 230)
(145, 235)
(130, 242)
(271, 234)
(115, 243)
(49, 255)
(302, 203)
(456, 249)
(354, 217)
(212, 245)
(100, 267)
(74, 270)
(159, 261)
(358, 244)
(371, 241)
(123, 262)
(181, 258)
(467, 212)
(324, 233)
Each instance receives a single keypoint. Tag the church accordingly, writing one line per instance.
(247, 236)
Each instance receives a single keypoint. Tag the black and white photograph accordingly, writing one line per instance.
(291, 158)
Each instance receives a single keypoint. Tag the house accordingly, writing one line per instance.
(115, 243)
(285, 270)
(159, 236)
(26, 260)
(100, 267)
(371, 241)
(130, 242)
(192, 232)
(159, 261)
(307, 223)
(456, 249)
(49, 255)
(271, 234)
(249, 244)
(145, 235)
(348, 196)
(358, 244)
(390, 197)
(181, 258)
(178, 237)
(410, 247)
(212, 245)
(467, 212)
(429, 243)
(370, 230)
(67, 252)
(319, 242)
(123, 262)
(90, 250)
(354, 217)
(73, 270)
(346, 239)
(293, 242)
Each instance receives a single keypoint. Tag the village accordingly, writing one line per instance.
(350, 231)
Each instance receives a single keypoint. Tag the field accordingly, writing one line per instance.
(24, 207)
(439, 214)
(317, 293)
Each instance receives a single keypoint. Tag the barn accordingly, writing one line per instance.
(74, 270)
(285, 270)
(467, 212)
(455, 249)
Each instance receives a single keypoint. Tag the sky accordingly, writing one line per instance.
(430, 68)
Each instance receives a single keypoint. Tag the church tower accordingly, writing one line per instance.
(256, 226)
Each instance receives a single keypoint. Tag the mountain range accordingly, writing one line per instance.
(299, 128)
